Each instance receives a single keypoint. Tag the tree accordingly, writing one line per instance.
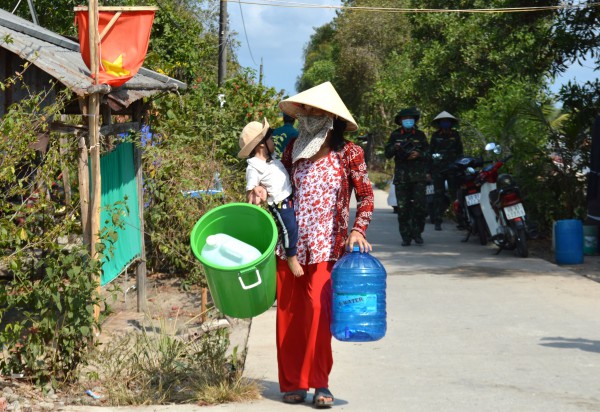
(318, 54)
(364, 42)
(575, 35)
(458, 57)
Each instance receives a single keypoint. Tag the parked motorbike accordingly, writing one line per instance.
(430, 192)
(467, 205)
(502, 207)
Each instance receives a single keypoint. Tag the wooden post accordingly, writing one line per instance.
(64, 148)
(203, 302)
(140, 270)
(106, 113)
(94, 132)
(84, 182)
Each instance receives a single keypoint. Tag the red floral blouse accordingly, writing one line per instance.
(353, 177)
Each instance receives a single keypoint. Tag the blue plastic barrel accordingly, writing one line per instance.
(358, 305)
(568, 237)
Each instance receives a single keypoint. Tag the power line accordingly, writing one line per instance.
(286, 4)
(246, 34)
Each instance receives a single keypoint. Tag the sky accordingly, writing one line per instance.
(278, 35)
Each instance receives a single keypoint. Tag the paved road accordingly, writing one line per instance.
(468, 330)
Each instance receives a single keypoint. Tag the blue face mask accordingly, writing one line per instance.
(408, 123)
(445, 124)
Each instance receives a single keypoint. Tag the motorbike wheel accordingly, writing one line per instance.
(521, 242)
(481, 229)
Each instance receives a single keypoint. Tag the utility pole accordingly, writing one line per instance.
(222, 42)
(260, 76)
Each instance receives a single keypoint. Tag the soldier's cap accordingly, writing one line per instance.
(407, 112)
(444, 115)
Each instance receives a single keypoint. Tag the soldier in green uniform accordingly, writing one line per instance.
(410, 150)
(445, 147)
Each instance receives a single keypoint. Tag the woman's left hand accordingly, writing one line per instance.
(357, 237)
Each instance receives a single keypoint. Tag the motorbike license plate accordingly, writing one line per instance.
(429, 190)
(473, 199)
(514, 211)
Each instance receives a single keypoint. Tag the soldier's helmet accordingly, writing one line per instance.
(407, 112)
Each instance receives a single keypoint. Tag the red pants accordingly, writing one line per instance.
(303, 326)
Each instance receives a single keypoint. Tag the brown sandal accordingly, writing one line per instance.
(298, 396)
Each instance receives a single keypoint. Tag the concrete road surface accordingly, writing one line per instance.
(468, 331)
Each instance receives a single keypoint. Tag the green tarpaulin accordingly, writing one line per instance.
(118, 182)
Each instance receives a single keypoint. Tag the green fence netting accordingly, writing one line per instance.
(117, 169)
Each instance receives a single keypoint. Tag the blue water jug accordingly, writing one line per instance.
(358, 304)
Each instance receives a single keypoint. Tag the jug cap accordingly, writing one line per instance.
(212, 240)
(356, 248)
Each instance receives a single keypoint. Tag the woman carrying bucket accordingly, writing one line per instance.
(325, 169)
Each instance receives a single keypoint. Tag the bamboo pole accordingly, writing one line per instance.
(64, 148)
(118, 8)
(203, 303)
(94, 133)
(140, 271)
(84, 181)
(110, 24)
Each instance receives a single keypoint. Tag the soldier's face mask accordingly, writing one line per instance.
(408, 123)
(445, 124)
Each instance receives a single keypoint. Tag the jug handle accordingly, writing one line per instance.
(258, 282)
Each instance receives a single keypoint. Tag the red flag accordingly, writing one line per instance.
(123, 45)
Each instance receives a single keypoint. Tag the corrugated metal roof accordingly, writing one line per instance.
(60, 58)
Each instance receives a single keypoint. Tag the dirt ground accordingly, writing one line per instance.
(170, 307)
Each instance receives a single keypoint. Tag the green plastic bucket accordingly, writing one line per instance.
(241, 291)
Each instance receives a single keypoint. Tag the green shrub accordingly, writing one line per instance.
(47, 303)
(196, 138)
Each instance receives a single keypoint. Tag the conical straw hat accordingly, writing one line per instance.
(444, 115)
(322, 97)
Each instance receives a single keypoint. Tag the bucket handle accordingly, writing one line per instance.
(258, 282)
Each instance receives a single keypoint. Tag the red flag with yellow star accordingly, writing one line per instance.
(124, 37)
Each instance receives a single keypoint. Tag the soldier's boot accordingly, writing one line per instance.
(438, 226)
(406, 241)
(418, 239)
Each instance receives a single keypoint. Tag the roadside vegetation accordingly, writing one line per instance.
(492, 71)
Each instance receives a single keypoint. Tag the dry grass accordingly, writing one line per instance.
(154, 366)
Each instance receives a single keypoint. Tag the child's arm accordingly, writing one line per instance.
(254, 194)
(257, 195)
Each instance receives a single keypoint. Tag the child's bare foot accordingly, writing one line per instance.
(295, 266)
